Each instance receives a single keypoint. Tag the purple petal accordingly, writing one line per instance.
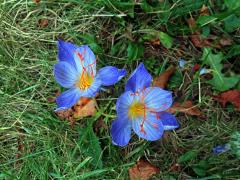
(169, 121)
(157, 99)
(123, 104)
(120, 132)
(65, 74)
(221, 149)
(139, 79)
(149, 128)
(68, 98)
(87, 60)
(66, 53)
(111, 75)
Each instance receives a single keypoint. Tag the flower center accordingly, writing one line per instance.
(136, 109)
(85, 81)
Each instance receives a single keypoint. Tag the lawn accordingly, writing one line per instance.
(37, 143)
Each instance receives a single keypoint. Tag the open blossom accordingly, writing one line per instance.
(76, 70)
(141, 108)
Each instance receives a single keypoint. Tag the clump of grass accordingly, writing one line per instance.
(36, 144)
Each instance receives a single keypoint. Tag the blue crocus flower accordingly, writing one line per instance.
(76, 70)
(182, 63)
(221, 148)
(141, 108)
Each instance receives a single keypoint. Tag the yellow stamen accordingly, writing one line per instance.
(85, 81)
(136, 109)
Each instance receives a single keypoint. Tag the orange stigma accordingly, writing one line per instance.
(136, 109)
(85, 81)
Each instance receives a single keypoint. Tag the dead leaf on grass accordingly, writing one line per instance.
(232, 96)
(204, 11)
(162, 79)
(225, 41)
(85, 107)
(37, 1)
(143, 170)
(186, 107)
(43, 23)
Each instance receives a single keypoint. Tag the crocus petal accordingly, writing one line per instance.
(157, 99)
(120, 132)
(111, 75)
(68, 98)
(65, 74)
(204, 71)
(149, 127)
(182, 63)
(139, 79)
(66, 53)
(169, 121)
(93, 89)
(87, 59)
(221, 149)
(123, 104)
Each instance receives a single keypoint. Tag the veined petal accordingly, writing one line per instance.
(157, 99)
(169, 121)
(93, 89)
(87, 60)
(111, 75)
(139, 79)
(68, 98)
(149, 127)
(123, 103)
(120, 132)
(65, 74)
(66, 53)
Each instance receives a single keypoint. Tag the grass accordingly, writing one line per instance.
(36, 144)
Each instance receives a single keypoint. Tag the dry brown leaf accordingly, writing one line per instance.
(43, 23)
(196, 39)
(175, 167)
(199, 42)
(65, 114)
(192, 23)
(85, 107)
(187, 107)
(37, 1)
(232, 96)
(162, 79)
(204, 11)
(143, 170)
(225, 41)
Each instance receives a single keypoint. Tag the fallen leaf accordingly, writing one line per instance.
(200, 43)
(232, 96)
(162, 79)
(225, 41)
(204, 11)
(65, 114)
(43, 23)
(186, 107)
(143, 170)
(85, 107)
(192, 23)
(37, 1)
(196, 39)
(175, 167)
(155, 42)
